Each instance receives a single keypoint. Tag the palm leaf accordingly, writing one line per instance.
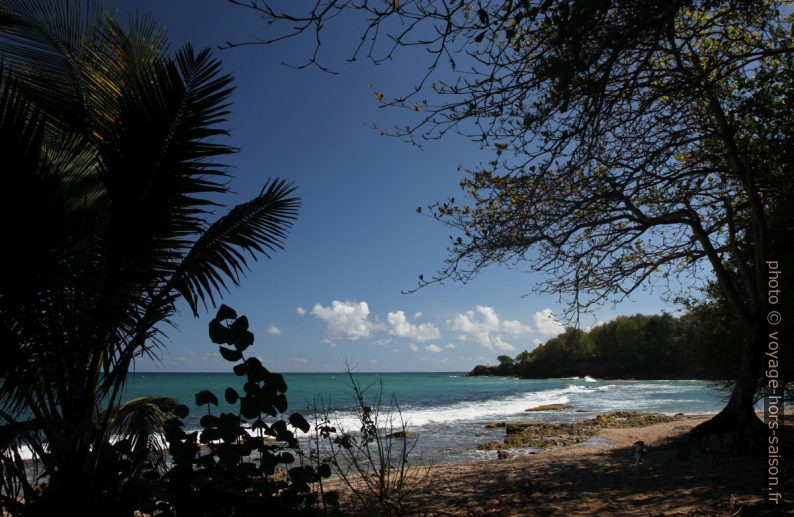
(140, 423)
(259, 225)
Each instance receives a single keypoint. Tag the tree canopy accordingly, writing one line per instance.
(633, 140)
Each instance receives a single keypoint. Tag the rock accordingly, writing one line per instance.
(495, 425)
(538, 435)
(582, 411)
(549, 407)
(400, 434)
(503, 455)
(513, 425)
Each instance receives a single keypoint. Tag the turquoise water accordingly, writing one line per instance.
(447, 411)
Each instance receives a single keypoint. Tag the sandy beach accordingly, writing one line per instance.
(602, 480)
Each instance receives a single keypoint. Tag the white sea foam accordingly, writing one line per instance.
(587, 378)
(472, 410)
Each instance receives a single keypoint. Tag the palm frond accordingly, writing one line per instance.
(257, 226)
(43, 41)
(140, 423)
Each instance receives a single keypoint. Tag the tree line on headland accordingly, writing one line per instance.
(703, 343)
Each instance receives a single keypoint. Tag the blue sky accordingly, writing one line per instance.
(335, 293)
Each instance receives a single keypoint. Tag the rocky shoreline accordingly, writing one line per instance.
(541, 435)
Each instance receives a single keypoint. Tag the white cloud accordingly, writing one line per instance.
(434, 348)
(417, 315)
(300, 360)
(515, 327)
(383, 341)
(274, 330)
(395, 350)
(483, 327)
(449, 346)
(402, 328)
(546, 324)
(301, 311)
(346, 320)
(413, 347)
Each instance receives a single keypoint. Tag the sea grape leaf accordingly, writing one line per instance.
(242, 340)
(280, 402)
(219, 333)
(226, 313)
(231, 395)
(206, 397)
(276, 380)
(248, 407)
(239, 324)
(229, 354)
(297, 420)
(181, 411)
(209, 421)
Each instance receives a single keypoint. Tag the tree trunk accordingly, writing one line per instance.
(737, 428)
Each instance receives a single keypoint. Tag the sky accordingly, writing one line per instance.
(335, 294)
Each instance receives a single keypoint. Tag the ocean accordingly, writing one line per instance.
(446, 412)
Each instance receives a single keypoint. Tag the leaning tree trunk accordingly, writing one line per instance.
(737, 428)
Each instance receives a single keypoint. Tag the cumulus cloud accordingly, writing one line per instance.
(413, 347)
(274, 330)
(515, 327)
(417, 315)
(546, 324)
(434, 348)
(301, 311)
(346, 320)
(483, 326)
(401, 327)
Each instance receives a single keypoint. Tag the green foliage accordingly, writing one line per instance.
(704, 343)
(113, 172)
(224, 466)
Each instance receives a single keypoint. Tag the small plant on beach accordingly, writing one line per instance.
(375, 461)
(240, 469)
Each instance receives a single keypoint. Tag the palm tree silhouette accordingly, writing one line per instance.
(111, 172)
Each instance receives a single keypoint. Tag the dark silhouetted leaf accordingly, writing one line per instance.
(242, 340)
(206, 397)
(280, 403)
(297, 420)
(239, 324)
(324, 470)
(209, 421)
(226, 313)
(248, 407)
(256, 372)
(276, 380)
(219, 334)
(229, 354)
(181, 411)
(231, 395)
